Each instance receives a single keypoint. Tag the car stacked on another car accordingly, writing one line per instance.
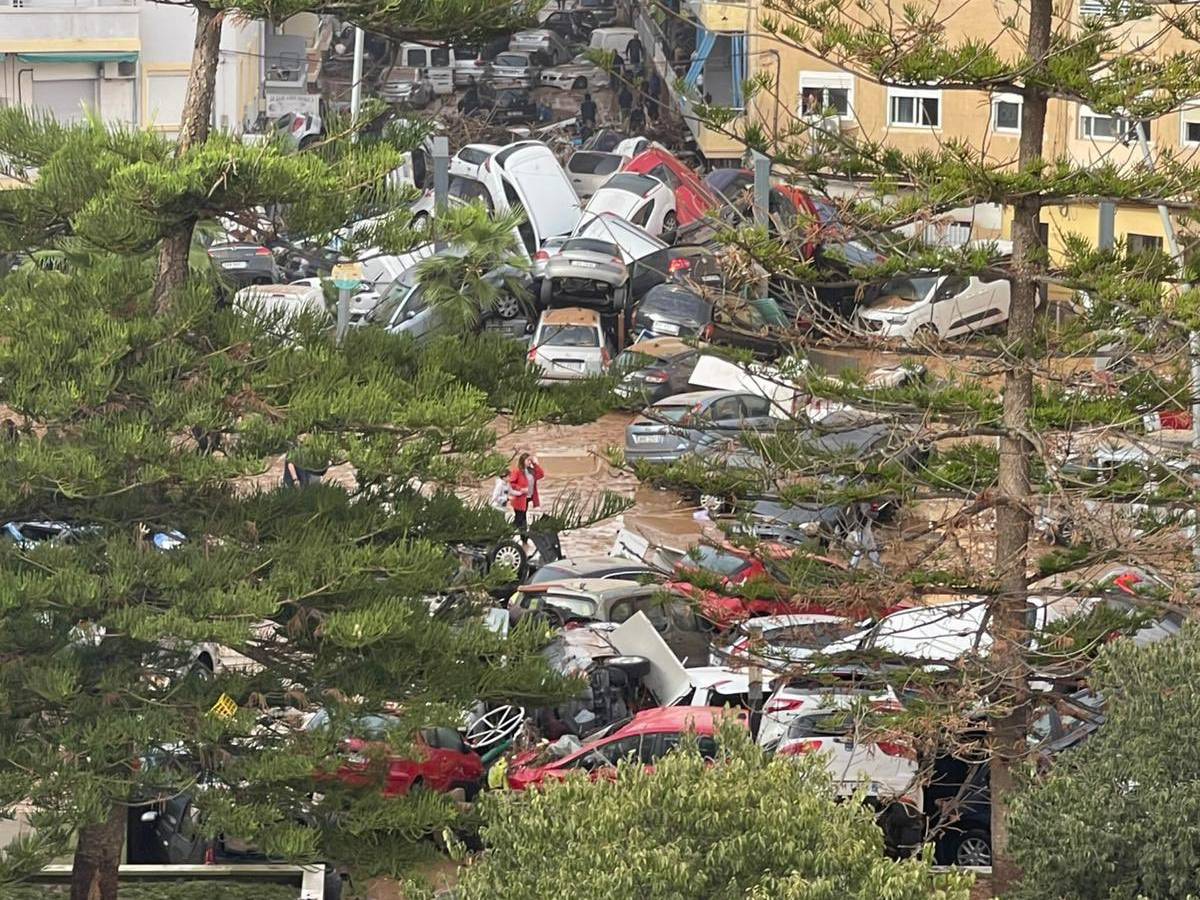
(696, 423)
(655, 369)
(642, 200)
(585, 272)
(547, 43)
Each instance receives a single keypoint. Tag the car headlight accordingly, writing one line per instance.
(895, 321)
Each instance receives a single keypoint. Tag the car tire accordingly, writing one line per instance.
(633, 666)
(971, 848)
(926, 335)
(513, 555)
(670, 229)
(420, 222)
(580, 84)
(546, 292)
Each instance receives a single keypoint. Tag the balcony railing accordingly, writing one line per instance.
(55, 5)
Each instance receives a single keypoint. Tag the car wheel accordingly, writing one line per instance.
(973, 849)
(633, 666)
(926, 335)
(420, 222)
(546, 292)
(507, 306)
(511, 555)
(670, 226)
(580, 84)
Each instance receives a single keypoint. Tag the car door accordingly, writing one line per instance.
(183, 842)
(726, 417)
(951, 306)
(756, 411)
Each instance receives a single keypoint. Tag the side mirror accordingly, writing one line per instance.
(148, 816)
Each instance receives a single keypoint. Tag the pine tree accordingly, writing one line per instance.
(999, 414)
(131, 418)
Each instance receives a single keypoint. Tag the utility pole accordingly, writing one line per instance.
(1193, 337)
(356, 86)
(762, 204)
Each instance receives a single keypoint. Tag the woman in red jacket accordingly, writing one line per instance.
(522, 482)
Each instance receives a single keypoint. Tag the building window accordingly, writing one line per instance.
(1189, 124)
(1006, 113)
(914, 108)
(827, 93)
(1142, 243)
(1107, 127)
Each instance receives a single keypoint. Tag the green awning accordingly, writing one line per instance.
(84, 56)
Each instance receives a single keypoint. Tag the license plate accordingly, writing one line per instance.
(239, 264)
(574, 365)
(647, 438)
(666, 328)
(587, 265)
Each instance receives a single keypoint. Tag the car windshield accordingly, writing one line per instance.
(677, 306)
(511, 59)
(392, 300)
(591, 245)
(369, 727)
(466, 190)
(629, 361)
(632, 182)
(718, 561)
(577, 606)
(908, 288)
(569, 336)
(590, 162)
(473, 155)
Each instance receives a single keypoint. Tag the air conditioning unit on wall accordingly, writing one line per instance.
(118, 70)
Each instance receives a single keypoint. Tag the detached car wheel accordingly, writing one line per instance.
(508, 307)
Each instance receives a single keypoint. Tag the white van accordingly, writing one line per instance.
(528, 176)
(612, 40)
(438, 63)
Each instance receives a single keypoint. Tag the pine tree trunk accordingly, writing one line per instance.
(197, 114)
(98, 857)
(1013, 513)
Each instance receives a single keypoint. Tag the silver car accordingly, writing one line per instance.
(589, 271)
(569, 344)
(580, 74)
(514, 69)
(406, 86)
(700, 423)
(548, 43)
(589, 169)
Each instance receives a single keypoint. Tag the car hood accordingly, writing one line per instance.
(569, 258)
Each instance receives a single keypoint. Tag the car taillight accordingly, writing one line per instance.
(891, 748)
(618, 260)
(541, 255)
(707, 332)
(778, 706)
(604, 357)
(262, 251)
(532, 353)
(656, 376)
(678, 265)
(299, 123)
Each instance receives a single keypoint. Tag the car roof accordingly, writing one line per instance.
(794, 619)
(600, 587)
(660, 348)
(598, 562)
(677, 718)
(631, 182)
(571, 315)
(693, 397)
(296, 291)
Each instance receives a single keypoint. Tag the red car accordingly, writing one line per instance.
(786, 202)
(693, 201)
(444, 762)
(649, 735)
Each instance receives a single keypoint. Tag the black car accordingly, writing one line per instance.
(240, 265)
(575, 26)
(684, 264)
(506, 106)
(655, 369)
(603, 12)
(170, 832)
(674, 310)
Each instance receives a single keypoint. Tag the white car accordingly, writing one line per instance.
(641, 199)
(549, 44)
(569, 344)
(468, 159)
(784, 640)
(580, 74)
(928, 306)
(281, 303)
(528, 177)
